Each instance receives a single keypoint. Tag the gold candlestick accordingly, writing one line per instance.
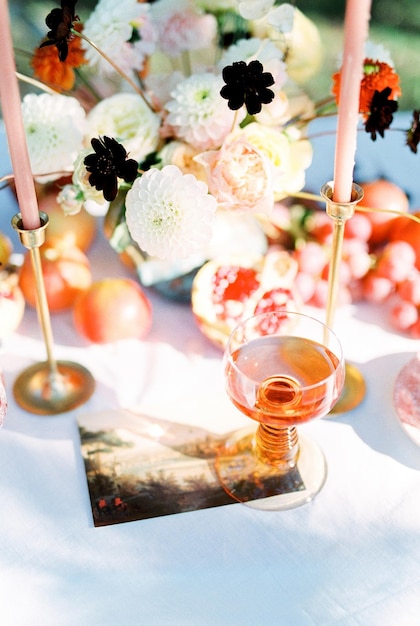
(355, 387)
(49, 387)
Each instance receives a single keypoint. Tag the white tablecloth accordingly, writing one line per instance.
(351, 557)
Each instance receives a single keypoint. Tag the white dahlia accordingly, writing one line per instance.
(54, 128)
(198, 114)
(110, 27)
(170, 214)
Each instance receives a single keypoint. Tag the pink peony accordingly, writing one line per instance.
(181, 28)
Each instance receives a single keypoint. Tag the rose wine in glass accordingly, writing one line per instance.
(282, 369)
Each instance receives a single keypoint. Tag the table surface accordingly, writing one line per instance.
(350, 557)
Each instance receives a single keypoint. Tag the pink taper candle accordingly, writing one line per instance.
(356, 26)
(12, 115)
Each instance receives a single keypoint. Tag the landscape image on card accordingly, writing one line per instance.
(139, 467)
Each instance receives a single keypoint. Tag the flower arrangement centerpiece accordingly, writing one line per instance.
(180, 120)
(185, 123)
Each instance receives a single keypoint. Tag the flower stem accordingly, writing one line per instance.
(328, 101)
(7, 178)
(304, 195)
(186, 63)
(365, 209)
(235, 117)
(123, 75)
(88, 85)
(36, 83)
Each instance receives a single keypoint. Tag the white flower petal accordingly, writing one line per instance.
(128, 119)
(54, 127)
(282, 18)
(110, 27)
(170, 214)
(254, 9)
(197, 112)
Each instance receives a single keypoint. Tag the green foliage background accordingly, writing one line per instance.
(395, 24)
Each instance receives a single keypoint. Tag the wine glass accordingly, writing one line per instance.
(3, 399)
(281, 369)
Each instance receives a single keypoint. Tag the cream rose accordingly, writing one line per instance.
(302, 44)
(277, 112)
(306, 52)
(240, 177)
(182, 155)
(287, 152)
(289, 103)
(301, 154)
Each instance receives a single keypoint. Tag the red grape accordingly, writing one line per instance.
(358, 227)
(305, 284)
(409, 289)
(403, 315)
(377, 288)
(414, 330)
(397, 261)
(311, 257)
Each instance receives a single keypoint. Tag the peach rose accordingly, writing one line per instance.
(182, 155)
(289, 154)
(239, 176)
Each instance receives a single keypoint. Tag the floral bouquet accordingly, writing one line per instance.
(185, 121)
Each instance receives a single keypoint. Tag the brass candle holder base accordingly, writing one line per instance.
(353, 393)
(39, 391)
(355, 387)
(49, 387)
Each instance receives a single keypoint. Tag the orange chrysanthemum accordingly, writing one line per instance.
(59, 74)
(376, 77)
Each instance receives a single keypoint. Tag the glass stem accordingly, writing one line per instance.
(277, 446)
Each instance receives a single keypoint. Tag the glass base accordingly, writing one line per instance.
(265, 487)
